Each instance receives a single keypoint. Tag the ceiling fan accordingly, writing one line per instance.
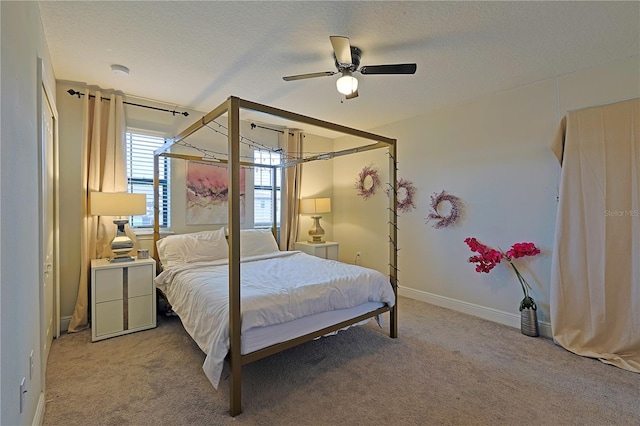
(347, 61)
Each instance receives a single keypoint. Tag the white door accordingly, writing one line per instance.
(48, 224)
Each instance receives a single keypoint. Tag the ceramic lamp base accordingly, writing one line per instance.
(316, 233)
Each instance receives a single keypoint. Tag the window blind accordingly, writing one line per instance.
(139, 152)
(263, 188)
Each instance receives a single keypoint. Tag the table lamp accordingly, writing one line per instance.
(314, 206)
(119, 204)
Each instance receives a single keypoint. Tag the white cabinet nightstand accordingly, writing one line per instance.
(123, 297)
(326, 250)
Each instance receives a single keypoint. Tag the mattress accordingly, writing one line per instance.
(284, 295)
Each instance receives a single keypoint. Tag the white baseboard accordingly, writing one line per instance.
(490, 314)
(38, 418)
(64, 323)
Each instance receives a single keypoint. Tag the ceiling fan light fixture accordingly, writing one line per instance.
(347, 84)
(347, 61)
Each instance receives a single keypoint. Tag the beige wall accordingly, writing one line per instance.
(23, 43)
(493, 154)
(70, 131)
(316, 176)
(361, 225)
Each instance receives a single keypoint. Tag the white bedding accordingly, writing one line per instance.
(275, 289)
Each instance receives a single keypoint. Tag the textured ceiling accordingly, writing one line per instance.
(196, 54)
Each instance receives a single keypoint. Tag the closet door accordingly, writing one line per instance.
(50, 324)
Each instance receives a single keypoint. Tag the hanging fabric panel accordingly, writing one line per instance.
(291, 142)
(103, 169)
(595, 272)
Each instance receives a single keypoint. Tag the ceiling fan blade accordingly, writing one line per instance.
(311, 75)
(342, 49)
(389, 69)
(351, 96)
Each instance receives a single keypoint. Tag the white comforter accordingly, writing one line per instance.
(275, 289)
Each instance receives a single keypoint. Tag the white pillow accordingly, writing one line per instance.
(194, 247)
(254, 242)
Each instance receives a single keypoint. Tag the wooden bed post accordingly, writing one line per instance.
(232, 108)
(393, 238)
(235, 358)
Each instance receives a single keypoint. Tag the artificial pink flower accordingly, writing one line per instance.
(522, 249)
(488, 258)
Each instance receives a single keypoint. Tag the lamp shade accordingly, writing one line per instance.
(117, 204)
(315, 205)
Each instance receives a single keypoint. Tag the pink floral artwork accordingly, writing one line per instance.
(208, 194)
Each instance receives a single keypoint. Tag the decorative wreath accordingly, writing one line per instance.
(454, 214)
(363, 191)
(405, 204)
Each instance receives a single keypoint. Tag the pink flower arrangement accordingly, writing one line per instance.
(487, 258)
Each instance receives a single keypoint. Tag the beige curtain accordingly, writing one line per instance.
(595, 276)
(291, 142)
(103, 169)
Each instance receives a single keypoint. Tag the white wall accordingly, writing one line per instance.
(493, 154)
(19, 207)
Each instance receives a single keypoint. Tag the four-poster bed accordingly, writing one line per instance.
(231, 107)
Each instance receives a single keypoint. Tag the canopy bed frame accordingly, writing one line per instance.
(232, 107)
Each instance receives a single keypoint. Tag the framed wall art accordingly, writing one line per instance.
(207, 194)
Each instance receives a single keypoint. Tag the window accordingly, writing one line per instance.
(263, 188)
(139, 153)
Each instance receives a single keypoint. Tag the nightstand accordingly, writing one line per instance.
(326, 250)
(123, 297)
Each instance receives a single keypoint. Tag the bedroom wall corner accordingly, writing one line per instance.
(70, 134)
(492, 153)
(361, 225)
(317, 182)
(607, 83)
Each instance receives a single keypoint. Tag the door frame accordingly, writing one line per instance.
(45, 95)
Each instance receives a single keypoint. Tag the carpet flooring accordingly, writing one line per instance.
(446, 368)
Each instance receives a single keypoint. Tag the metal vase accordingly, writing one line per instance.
(529, 322)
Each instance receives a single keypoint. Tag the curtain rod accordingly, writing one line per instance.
(186, 114)
(253, 126)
